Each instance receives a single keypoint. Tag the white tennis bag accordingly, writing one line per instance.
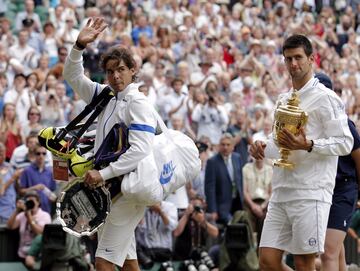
(173, 162)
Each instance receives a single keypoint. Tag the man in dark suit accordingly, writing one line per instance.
(223, 181)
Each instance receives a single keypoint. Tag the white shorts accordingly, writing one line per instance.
(298, 227)
(117, 237)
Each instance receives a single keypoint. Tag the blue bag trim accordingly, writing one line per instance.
(142, 127)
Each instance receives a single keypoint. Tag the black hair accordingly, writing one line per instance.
(297, 41)
(62, 48)
(20, 75)
(118, 53)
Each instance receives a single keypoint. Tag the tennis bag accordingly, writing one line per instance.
(173, 162)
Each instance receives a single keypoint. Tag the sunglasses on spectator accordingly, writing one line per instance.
(34, 113)
(40, 153)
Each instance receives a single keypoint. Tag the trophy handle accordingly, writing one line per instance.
(304, 118)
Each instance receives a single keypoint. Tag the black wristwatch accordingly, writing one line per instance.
(311, 147)
(79, 45)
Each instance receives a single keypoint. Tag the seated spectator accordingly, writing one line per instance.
(10, 130)
(241, 133)
(21, 96)
(211, 118)
(38, 177)
(142, 26)
(24, 155)
(257, 189)
(178, 123)
(202, 77)
(30, 219)
(154, 232)
(24, 55)
(28, 12)
(7, 188)
(265, 132)
(8, 38)
(52, 112)
(33, 124)
(195, 226)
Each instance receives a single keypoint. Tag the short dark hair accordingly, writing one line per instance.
(20, 75)
(118, 53)
(38, 146)
(60, 48)
(297, 41)
(32, 134)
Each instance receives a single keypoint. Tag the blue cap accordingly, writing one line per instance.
(324, 79)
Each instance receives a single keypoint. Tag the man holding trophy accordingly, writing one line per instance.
(310, 131)
(116, 239)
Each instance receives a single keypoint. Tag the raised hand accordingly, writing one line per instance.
(91, 31)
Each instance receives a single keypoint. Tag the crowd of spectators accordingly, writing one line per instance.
(213, 69)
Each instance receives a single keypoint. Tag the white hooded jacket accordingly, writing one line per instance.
(127, 106)
(314, 174)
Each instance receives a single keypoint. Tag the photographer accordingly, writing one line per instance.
(194, 228)
(39, 178)
(211, 117)
(30, 219)
(154, 233)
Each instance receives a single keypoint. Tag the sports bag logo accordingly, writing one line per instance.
(167, 172)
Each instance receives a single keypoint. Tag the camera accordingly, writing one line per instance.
(205, 258)
(29, 204)
(198, 209)
(145, 261)
(188, 265)
(199, 261)
(202, 266)
(166, 266)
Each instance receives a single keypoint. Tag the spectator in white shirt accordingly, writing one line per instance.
(211, 119)
(154, 232)
(21, 97)
(201, 78)
(176, 100)
(23, 52)
(28, 13)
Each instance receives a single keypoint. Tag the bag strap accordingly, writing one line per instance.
(162, 125)
(159, 120)
(98, 103)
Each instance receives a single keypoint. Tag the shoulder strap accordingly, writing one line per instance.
(98, 103)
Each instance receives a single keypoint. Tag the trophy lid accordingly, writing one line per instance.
(294, 99)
